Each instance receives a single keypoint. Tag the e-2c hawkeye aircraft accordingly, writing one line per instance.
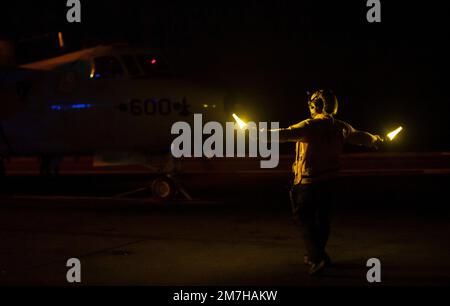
(114, 102)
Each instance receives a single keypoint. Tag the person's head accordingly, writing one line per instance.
(323, 102)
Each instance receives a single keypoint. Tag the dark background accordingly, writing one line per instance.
(385, 74)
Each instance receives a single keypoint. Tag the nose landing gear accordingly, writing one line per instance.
(165, 187)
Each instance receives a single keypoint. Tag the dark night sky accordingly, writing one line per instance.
(384, 74)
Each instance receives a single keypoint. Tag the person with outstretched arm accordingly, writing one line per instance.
(319, 142)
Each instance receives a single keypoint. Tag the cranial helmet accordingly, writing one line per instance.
(324, 101)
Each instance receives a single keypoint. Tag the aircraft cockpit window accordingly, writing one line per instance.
(152, 65)
(107, 67)
(130, 64)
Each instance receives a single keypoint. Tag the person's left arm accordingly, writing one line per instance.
(294, 133)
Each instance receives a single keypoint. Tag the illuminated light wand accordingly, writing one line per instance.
(240, 122)
(393, 134)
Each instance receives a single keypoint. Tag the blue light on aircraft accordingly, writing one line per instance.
(80, 106)
(70, 106)
(56, 107)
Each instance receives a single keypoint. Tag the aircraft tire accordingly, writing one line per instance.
(163, 188)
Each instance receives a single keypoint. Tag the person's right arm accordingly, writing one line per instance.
(360, 138)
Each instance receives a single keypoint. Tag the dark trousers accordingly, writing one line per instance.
(311, 204)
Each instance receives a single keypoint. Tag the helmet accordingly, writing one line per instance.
(324, 101)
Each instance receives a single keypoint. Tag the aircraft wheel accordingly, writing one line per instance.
(163, 188)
